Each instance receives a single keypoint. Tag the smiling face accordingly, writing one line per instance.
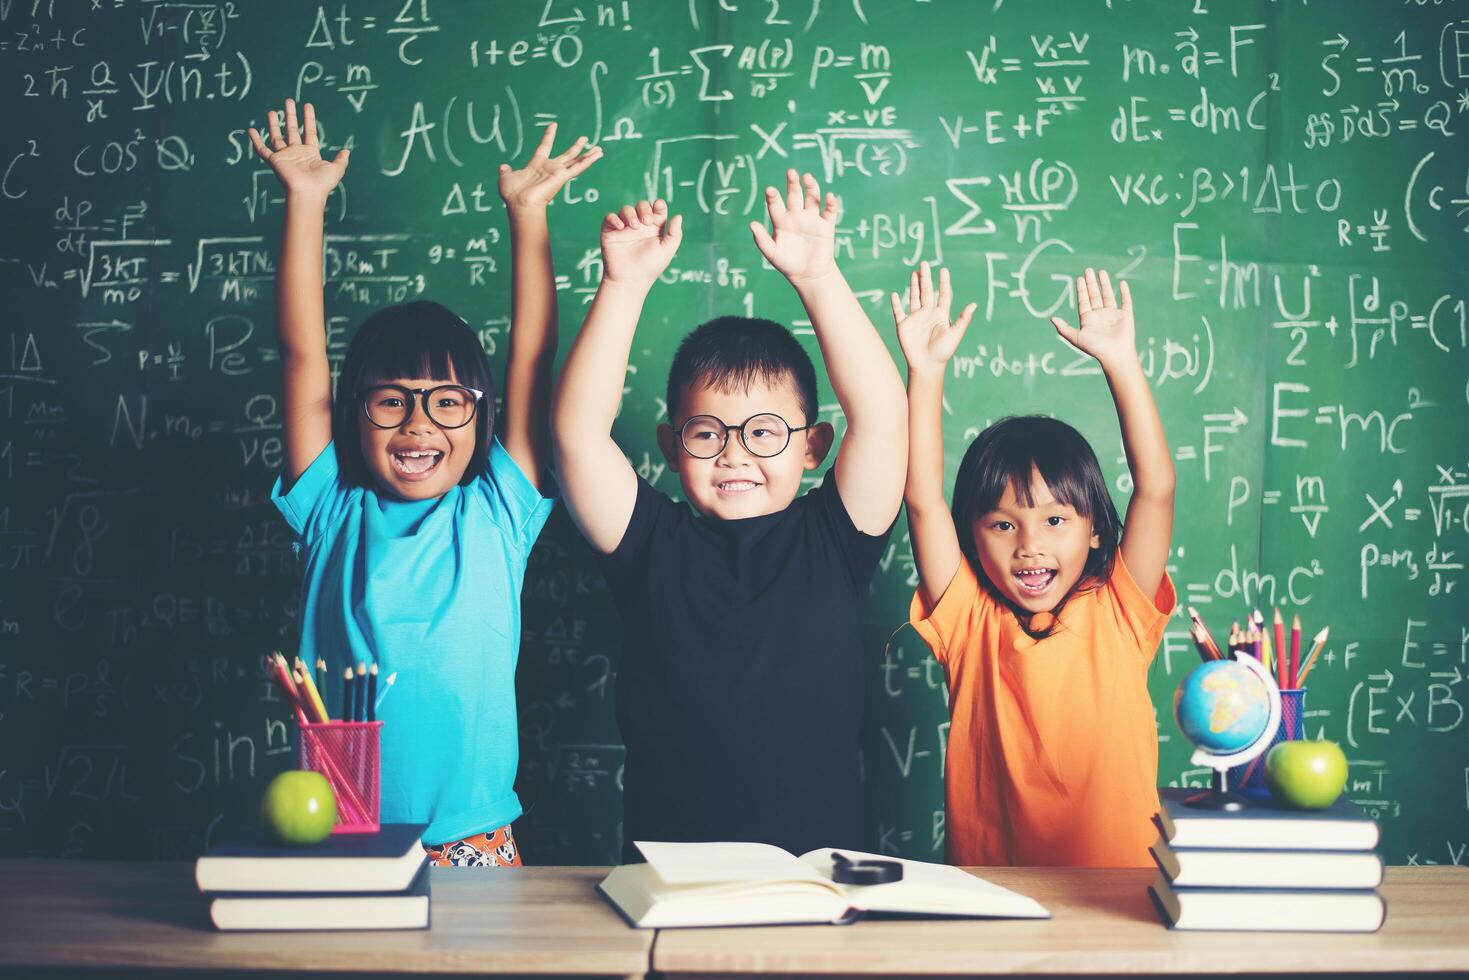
(737, 483)
(419, 459)
(1033, 555)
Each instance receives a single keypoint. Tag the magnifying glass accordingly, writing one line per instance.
(845, 871)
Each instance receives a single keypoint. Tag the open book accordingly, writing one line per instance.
(728, 884)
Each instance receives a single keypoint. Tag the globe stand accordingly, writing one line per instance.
(1219, 797)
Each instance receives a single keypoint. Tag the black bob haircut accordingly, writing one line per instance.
(733, 352)
(421, 339)
(1005, 455)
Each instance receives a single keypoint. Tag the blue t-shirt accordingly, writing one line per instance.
(429, 589)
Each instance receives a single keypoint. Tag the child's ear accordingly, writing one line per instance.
(1096, 541)
(668, 443)
(818, 443)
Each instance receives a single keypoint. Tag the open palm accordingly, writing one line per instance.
(801, 242)
(543, 175)
(1107, 329)
(639, 242)
(296, 156)
(925, 332)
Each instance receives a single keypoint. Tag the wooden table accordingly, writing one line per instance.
(120, 918)
(1102, 922)
(150, 915)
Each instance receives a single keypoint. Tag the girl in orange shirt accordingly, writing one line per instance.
(1045, 623)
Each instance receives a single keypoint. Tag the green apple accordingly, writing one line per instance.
(1307, 774)
(299, 807)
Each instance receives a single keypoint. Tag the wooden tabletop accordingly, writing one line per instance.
(150, 914)
(1102, 923)
(538, 921)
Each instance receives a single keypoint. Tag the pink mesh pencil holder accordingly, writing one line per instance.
(1250, 777)
(347, 753)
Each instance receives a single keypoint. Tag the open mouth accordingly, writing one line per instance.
(416, 464)
(1035, 581)
(736, 487)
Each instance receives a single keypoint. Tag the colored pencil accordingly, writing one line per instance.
(283, 683)
(347, 694)
(1295, 651)
(388, 683)
(321, 676)
(372, 693)
(313, 696)
(1316, 646)
(1199, 644)
(359, 712)
(1210, 646)
(1281, 679)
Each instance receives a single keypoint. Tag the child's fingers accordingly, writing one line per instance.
(1093, 291)
(813, 193)
(645, 212)
(914, 304)
(309, 111)
(340, 160)
(273, 123)
(584, 161)
(629, 215)
(763, 241)
(258, 143)
(897, 308)
(833, 209)
(1068, 333)
(962, 324)
(946, 294)
(925, 284)
(573, 151)
(293, 129)
(612, 222)
(1083, 301)
(1126, 295)
(793, 190)
(548, 139)
(775, 204)
(1108, 299)
(673, 231)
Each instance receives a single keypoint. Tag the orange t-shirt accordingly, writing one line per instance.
(1053, 747)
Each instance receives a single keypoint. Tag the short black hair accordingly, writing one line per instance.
(421, 339)
(1005, 455)
(733, 352)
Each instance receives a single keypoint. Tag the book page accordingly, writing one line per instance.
(932, 889)
(724, 862)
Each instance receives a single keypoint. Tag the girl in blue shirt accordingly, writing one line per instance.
(415, 519)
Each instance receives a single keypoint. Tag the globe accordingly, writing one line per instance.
(1222, 707)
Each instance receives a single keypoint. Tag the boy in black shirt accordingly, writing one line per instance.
(740, 692)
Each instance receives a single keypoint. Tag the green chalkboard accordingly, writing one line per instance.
(1284, 185)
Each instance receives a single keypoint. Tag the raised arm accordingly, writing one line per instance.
(870, 461)
(597, 482)
(1107, 333)
(524, 423)
(929, 339)
(300, 310)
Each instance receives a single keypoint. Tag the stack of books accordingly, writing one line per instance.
(348, 881)
(1267, 868)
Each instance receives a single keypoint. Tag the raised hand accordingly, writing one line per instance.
(925, 332)
(802, 239)
(535, 184)
(296, 158)
(639, 242)
(1107, 332)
